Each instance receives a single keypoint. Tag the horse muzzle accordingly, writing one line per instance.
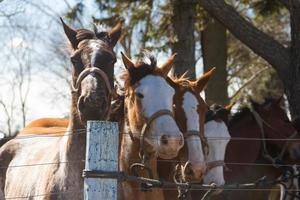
(169, 145)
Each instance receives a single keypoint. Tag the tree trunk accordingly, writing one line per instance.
(214, 52)
(183, 22)
(286, 61)
(292, 86)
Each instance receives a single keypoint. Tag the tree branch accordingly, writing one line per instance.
(249, 81)
(259, 42)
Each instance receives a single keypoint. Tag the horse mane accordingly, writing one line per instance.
(246, 110)
(182, 80)
(83, 34)
(100, 32)
(141, 69)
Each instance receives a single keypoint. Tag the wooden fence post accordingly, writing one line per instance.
(101, 154)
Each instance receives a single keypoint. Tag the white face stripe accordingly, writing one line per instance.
(158, 95)
(190, 105)
(217, 149)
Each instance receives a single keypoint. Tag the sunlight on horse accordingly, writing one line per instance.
(151, 125)
(60, 157)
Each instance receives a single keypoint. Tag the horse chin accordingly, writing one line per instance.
(87, 116)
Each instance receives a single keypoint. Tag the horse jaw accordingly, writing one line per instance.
(195, 151)
(217, 149)
(158, 95)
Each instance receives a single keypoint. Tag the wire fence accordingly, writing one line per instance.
(160, 160)
(167, 189)
(82, 131)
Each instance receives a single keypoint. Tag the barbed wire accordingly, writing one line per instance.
(159, 160)
(45, 134)
(48, 194)
(166, 189)
(227, 138)
(78, 131)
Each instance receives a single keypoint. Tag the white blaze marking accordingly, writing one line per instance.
(158, 95)
(190, 105)
(217, 149)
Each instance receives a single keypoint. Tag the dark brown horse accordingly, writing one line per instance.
(251, 159)
(58, 175)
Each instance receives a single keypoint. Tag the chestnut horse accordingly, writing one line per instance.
(190, 112)
(151, 127)
(250, 160)
(52, 166)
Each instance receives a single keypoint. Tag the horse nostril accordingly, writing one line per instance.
(164, 139)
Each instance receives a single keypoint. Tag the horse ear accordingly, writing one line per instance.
(71, 34)
(201, 82)
(115, 34)
(228, 107)
(127, 62)
(167, 66)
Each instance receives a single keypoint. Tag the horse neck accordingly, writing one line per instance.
(129, 151)
(75, 137)
(245, 127)
(130, 155)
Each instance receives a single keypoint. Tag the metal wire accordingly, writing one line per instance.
(232, 138)
(45, 134)
(78, 131)
(48, 194)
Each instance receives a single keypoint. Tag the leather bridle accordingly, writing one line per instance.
(144, 156)
(261, 122)
(86, 72)
(211, 164)
(146, 126)
(77, 86)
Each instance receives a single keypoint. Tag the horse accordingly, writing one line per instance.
(151, 130)
(249, 159)
(190, 110)
(52, 166)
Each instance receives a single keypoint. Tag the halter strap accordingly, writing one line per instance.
(148, 123)
(88, 71)
(203, 140)
(216, 163)
(261, 122)
(190, 133)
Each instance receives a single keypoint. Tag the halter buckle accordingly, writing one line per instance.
(135, 167)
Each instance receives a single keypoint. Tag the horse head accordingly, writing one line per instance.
(189, 109)
(93, 61)
(148, 99)
(276, 125)
(218, 137)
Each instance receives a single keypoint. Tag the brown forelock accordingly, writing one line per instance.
(83, 34)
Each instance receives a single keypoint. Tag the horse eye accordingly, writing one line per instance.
(139, 95)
